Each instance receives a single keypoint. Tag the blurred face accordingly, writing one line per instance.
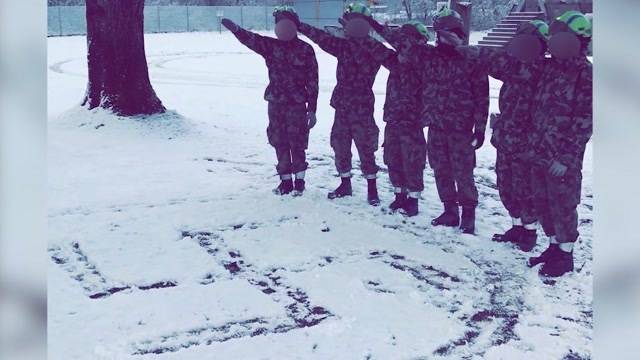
(449, 38)
(525, 47)
(356, 27)
(563, 43)
(286, 30)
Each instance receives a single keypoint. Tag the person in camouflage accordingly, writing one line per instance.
(405, 148)
(359, 59)
(292, 94)
(519, 66)
(562, 126)
(455, 108)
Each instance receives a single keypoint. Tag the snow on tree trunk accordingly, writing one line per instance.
(118, 73)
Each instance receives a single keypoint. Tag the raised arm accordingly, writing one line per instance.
(312, 81)
(495, 61)
(327, 42)
(480, 93)
(572, 140)
(258, 43)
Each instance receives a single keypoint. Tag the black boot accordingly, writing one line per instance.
(343, 190)
(450, 216)
(298, 187)
(546, 255)
(410, 207)
(558, 265)
(527, 240)
(511, 235)
(468, 220)
(285, 187)
(401, 197)
(372, 192)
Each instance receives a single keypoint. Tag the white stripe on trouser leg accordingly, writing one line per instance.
(414, 194)
(566, 247)
(370, 176)
(531, 226)
(346, 174)
(300, 175)
(397, 190)
(553, 240)
(516, 221)
(285, 177)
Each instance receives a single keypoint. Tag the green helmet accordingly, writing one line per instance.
(419, 27)
(535, 27)
(284, 8)
(577, 22)
(449, 20)
(357, 8)
(542, 27)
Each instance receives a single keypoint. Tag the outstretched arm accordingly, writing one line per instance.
(312, 81)
(480, 91)
(258, 43)
(495, 61)
(572, 141)
(327, 42)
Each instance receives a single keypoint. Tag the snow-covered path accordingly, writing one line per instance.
(166, 241)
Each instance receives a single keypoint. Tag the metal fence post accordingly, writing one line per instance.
(241, 16)
(59, 22)
(187, 18)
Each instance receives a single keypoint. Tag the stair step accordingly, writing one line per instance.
(520, 18)
(492, 42)
(516, 22)
(491, 46)
(500, 35)
(507, 26)
(526, 13)
(498, 39)
(503, 31)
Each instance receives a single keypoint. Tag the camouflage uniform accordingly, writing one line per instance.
(510, 131)
(456, 100)
(358, 63)
(291, 93)
(562, 126)
(405, 148)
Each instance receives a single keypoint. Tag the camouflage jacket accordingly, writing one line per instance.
(293, 68)
(455, 93)
(519, 84)
(358, 63)
(562, 113)
(404, 86)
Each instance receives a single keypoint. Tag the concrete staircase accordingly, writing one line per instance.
(500, 35)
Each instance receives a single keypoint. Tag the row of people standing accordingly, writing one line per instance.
(540, 136)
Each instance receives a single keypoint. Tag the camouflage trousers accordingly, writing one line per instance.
(288, 133)
(514, 186)
(405, 154)
(358, 126)
(556, 201)
(453, 158)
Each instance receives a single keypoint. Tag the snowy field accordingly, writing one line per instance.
(166, 241)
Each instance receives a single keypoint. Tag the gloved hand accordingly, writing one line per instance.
(311, 120)
(230, 25)
(478, 139)
(375, 25)
(557, 169)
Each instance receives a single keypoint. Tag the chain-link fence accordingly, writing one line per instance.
(71, 20)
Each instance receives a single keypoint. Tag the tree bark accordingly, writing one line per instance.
(118, 73)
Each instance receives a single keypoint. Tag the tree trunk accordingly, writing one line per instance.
(407, 8)
(118, 73)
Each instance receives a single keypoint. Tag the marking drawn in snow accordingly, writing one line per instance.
(74, 261)
(299, 309)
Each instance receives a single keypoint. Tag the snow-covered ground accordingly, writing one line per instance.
(167, 242)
